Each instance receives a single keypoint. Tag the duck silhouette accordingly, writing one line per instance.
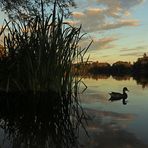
(119, 96)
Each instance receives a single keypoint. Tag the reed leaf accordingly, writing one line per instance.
(40, 56)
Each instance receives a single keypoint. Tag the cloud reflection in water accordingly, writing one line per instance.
(105, 132)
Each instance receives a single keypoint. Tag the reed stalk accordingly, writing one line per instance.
(39, 54)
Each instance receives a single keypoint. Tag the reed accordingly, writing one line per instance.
(39, 54)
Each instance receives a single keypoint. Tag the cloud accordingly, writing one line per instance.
(95, 20)
(133, 54)
(78, 15)
(127, 13)
(94, 11)
(133, 49)
(137, 51)
(113, 7)
(119, 7)
(99, 43)
(70, 22)
(103, 43)
(128, 4)
(119, 24)
(107, 14)
(90, 18)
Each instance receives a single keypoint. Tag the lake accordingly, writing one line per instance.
(113, 124)
(109, 124)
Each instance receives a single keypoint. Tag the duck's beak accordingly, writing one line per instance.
(127, 90)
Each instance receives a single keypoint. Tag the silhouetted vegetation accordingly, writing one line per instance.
(100, 68)
(141, 65)
(25, 9)
(121, 68)
(118, 68)
(36, 80)
(140, 71)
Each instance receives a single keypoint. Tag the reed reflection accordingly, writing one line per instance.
(33, 123)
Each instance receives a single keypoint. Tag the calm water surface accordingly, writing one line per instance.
(109, 124)
(113, 124)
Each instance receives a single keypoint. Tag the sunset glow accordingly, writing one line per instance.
(117, 27)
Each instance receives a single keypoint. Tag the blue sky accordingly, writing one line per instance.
(119, 28)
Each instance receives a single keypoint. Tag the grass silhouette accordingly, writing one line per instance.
(37, 64)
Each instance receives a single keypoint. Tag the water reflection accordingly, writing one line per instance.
(140, 79)
(30, 123)
(121, 77)
(124, 101)
(96, 76)
(107, 130)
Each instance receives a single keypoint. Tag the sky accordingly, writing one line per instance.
(118, 28)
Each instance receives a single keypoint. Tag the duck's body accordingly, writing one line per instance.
(118, 96)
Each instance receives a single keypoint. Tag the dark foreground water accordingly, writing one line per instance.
(114, 124)
(109, 124)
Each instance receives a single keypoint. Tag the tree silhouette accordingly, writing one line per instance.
(144, 55)
(30, 8)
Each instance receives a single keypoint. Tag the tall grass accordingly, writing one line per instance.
(39, 54)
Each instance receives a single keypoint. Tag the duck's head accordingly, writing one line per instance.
(125, 89)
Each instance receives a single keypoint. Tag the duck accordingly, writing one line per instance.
(118, 96)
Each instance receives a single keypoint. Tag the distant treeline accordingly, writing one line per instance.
(140, 67)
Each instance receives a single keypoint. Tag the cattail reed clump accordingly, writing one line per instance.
(37, 64)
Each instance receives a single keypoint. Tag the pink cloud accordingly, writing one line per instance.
(119, 24)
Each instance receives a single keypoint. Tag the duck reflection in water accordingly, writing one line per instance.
(115, 96)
